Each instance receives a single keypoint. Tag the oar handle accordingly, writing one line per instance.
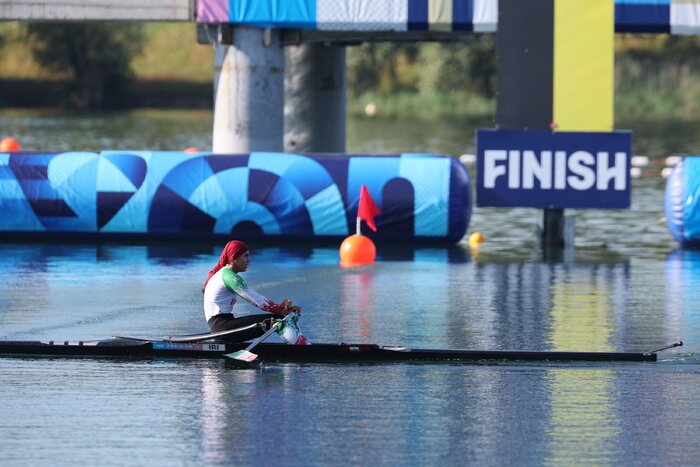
(272, 329)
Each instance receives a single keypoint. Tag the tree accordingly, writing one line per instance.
(97, 55)
(377, 67)
(467, 67)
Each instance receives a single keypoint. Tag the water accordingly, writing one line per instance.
(624, 286)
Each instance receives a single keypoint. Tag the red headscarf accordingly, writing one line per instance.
(232, 250)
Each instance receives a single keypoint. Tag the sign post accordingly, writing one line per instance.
(555, 73)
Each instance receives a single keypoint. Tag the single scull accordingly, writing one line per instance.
(319, 353)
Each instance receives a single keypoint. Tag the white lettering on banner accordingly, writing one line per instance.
(513, 169)
(542, 170)
(491, 170)
(618, 171)
(586, 171)
(560, 170)
(578, 164)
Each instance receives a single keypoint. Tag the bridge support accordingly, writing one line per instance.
(315, 97)
(248, 91)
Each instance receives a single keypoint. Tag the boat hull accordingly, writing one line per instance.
(273, 352)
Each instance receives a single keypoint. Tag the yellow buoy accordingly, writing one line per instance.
(476, 239)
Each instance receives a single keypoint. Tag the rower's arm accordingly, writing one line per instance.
(237, 285)
(255, 299)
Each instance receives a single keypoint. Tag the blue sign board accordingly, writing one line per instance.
(544, 169)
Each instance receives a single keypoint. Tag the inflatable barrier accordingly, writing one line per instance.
(682, 204)
(252, 196)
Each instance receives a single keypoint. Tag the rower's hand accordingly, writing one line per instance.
(289, 308)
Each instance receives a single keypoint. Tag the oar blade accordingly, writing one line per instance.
(242, 355)
(246, 355)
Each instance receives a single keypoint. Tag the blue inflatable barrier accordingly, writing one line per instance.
(252, 196)
(682, 202)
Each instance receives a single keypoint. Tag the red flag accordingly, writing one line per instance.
(368, 209)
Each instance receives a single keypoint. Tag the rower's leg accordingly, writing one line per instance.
(250, 327)
(291, 333)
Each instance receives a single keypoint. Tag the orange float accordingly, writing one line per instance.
(357, 250)
(9, 145)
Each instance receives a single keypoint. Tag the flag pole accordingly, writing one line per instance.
(358, 250)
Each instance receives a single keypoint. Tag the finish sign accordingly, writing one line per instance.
(543, 169)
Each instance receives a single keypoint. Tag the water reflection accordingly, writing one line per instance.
(583, 424)
(560, 306)
(581, 318)
(357, 303)
(581, 313)
(437, 254)
(239, 409)
(683, 296)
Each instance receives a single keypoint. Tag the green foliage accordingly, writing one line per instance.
(378, 67)
(171, 52)
(657, 76)
(98, 55)
(421, 105)
(466, 67)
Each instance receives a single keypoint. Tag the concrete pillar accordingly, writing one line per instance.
(315, 92)
(248, 92)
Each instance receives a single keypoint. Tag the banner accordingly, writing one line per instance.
(543, 169)
(259, 195)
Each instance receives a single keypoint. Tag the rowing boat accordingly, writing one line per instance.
(276, 352)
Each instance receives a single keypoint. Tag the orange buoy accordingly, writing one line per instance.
(357, 250)
(192, 150)
(9, 145)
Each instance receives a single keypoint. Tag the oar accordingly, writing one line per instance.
(675, 344)
(246, 355)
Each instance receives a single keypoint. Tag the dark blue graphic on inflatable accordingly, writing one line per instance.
(256, 195)
(110, 202)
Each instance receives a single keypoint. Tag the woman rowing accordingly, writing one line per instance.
(223, 287)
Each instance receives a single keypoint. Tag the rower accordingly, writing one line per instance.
(224, 286)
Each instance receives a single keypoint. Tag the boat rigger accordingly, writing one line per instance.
(316, 353)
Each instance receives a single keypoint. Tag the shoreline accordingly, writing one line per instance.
(45, 93)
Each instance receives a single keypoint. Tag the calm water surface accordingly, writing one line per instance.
(624, 286)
